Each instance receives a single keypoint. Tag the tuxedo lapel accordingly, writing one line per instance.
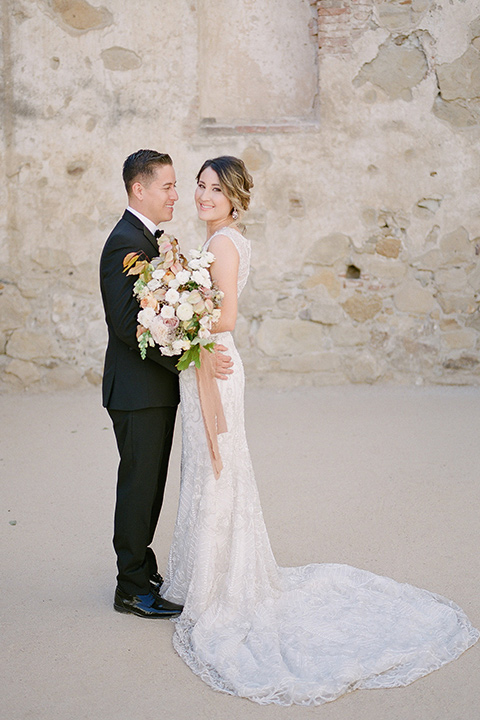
(150, 239)
(133, 220)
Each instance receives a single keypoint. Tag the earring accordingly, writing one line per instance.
(234, 214)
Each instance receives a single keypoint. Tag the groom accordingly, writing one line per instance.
(141, 396)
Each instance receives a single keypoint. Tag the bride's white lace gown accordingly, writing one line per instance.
(301, 635)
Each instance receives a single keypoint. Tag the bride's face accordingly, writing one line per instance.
(212, 205)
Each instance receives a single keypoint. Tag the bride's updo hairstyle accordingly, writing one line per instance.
(235, 180)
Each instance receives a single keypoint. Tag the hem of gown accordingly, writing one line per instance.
(287, 696)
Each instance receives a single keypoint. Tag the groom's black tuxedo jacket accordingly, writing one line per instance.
(130, 383)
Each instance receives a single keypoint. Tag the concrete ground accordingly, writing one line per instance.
(384, 478)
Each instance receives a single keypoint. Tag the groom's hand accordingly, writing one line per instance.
(223, 363)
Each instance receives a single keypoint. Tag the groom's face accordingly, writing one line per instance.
(159, 195)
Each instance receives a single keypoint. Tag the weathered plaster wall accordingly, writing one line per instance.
(366, 216)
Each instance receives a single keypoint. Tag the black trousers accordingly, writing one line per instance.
(144, 440)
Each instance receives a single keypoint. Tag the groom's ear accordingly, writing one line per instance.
(136, 190)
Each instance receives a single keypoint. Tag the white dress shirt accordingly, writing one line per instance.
(148, 223)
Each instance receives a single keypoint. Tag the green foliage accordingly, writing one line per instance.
(144, 341)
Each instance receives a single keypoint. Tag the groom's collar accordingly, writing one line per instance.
(146, 221)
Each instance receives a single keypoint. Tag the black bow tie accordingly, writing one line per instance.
(158, 233)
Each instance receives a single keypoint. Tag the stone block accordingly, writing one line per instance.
(349, 335)
(14, 309)
(474, 278)
(93, 377)
(322, 308)
(256, 158)
(448, 324)
(80, 15)
(460, 79)
(460, 339)
(384, 269)
(452, 280)
(119, 58)
(430, 260)
(289, 337)
(362, 307)
(328, 249)
(411, 297)
(457, 302)
(362, 368)
(63, 377)
(474, 320)
(455, 112)
(325, 313)
(26, 373)
(396, 69)
(287, 307)
(464, 362)
(52, 259)
(29, 345)
(456, 247)
(388, 247)
(242, 332)
(327, 278)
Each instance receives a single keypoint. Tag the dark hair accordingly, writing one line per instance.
(142, 165)
(235, 180)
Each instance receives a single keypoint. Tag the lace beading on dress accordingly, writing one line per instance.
(302, 635)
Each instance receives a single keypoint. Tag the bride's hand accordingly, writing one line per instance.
(223, 363)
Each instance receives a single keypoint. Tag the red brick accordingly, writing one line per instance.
(333, 11)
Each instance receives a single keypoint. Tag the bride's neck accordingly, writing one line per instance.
(214, 226)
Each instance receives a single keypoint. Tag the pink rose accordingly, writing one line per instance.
(171, 322)
(149, 301)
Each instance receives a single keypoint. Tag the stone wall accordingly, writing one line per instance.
(360, 122)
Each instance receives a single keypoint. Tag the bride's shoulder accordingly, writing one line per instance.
(227, 236)
(232, 234)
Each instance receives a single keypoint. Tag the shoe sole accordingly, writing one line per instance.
(127, 611)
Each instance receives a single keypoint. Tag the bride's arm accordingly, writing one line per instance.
(224, 272)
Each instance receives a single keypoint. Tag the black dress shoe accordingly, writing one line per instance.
(148, 606)
(156, 582)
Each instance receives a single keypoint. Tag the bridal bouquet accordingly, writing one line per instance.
(179, 303)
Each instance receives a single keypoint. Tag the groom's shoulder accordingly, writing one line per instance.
(125, 231)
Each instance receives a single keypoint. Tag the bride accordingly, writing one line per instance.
(302, 635)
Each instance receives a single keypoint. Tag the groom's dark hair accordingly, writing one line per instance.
(141, 165)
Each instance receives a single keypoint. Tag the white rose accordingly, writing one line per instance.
(207, 259)
(183, 277)
(160, 332)
(201, 277)
(203, 333)
(179, 345)
(158, 274)
(184, 311)
(174, 284)
(194, 264)
(154, 284)
(167, 311)
(146, 316)
(206, 321)
(184, 296)
(172, 296)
